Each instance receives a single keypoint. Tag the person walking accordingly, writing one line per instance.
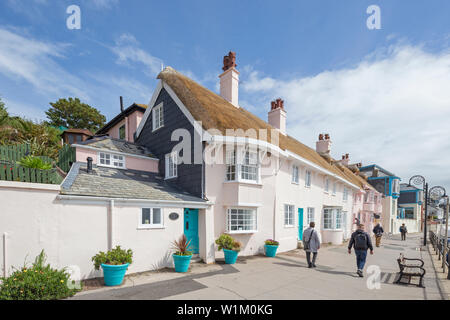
(378, 231)
(360, 240)
(403, 231)
(311, 244)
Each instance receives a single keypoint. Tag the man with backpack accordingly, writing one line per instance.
(360, 240)
(311, 243)
(378, 231)
(403, 231)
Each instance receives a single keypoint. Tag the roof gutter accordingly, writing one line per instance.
(137, 202)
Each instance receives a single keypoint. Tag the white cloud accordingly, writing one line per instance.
(392, 109)
(103, 4)
(128, 52)
(35, 62)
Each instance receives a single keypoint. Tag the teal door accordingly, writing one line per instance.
(191, 228)
(300, 223)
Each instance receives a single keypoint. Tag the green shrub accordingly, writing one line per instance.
(114, 256)
(39, 282)
(271, 242)
(34, 163)
(225, 241)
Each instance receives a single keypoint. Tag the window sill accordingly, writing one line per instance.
(241, 231)
(244, 182)
(170, 178)
(110, 166)
(289, 226)
(153, 130)
(333, 230)
(150, 227)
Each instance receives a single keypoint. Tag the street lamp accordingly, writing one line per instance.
(420, 180)
(436, 193)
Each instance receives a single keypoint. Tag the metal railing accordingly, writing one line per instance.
(441, 248)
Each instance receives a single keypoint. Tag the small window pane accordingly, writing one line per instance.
(145, 215)
(156, 216)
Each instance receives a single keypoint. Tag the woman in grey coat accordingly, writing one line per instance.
(311, 243)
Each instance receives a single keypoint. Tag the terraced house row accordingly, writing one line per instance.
(196, 162)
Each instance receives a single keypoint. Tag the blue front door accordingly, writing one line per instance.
(191, 228)
(300, 223)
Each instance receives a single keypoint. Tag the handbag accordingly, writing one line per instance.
(307, 242)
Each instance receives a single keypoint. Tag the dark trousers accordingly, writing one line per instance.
(361, 256)
(308, 257)
(403, 235)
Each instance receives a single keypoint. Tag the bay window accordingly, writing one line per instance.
(332, 218)
(243, 166)
(241, 220)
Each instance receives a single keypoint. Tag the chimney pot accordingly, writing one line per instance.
(321, 137)
(229, 61)
(323, 146)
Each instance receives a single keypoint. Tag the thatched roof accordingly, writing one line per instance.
(217, 113)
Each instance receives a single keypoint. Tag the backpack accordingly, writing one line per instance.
(361, 241)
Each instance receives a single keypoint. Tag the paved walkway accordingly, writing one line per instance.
(286, 277)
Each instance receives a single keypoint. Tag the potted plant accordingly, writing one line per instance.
(182, 256)
(271, 247)
(230, 248)
(114, 263)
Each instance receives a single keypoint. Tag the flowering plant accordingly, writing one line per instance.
(271, 242)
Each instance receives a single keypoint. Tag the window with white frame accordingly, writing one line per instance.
(158, 117)
(249, 167)
(326, 185)
(310, 216)
(307, 178)
(111, 160)
(288, 215)
(241, 220)
(345, 194)
(243, 166)
(171, 165)
(151, 218)
(334, 188)
(122, 132)
(332, 218)
(231, 165)
(295, 174)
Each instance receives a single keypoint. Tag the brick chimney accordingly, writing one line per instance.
(345, 160)
(277, 115)
(229, 80)
(323, 146)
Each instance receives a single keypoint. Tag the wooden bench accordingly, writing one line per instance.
(410, 270)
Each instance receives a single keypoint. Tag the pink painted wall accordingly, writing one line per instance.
(131, 124)
(150, 165)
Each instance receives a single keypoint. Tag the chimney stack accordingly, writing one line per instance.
(345, 159)
(121, 104)
(229, 80)
(277, 115)
(323, 146)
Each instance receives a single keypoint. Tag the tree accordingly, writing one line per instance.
(72, 113)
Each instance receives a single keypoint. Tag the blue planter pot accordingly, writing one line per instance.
(113, 274)
(271, 251)
(230, 256)
(181, 263)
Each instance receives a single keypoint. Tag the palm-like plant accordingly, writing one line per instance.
(181, 246)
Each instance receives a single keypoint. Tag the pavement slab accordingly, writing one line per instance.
(286, 276)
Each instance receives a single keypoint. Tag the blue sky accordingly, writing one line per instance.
(381, 94)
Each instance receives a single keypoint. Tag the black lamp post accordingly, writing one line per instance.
(420, 180)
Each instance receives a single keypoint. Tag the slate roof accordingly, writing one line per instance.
(111, 144)
(215, 112)
(120, 183)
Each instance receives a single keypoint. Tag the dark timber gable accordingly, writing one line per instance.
(190, 176)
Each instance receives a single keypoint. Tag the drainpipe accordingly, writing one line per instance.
(5, 265)
(111, 216)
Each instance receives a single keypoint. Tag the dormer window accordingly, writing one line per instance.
(111, 160)
(122, 132)
(158, 117)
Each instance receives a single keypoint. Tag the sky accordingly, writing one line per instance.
(383, 94)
